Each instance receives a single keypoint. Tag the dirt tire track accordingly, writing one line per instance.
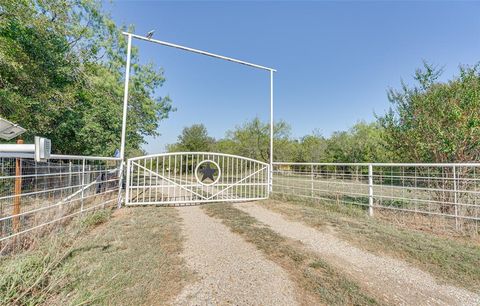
(394, 281)
(229, 270)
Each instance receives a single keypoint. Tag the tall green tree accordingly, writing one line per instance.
(434, 121)
(364, 142)
(311, 148)
(252, 139)
(61, 76)
(194, 138)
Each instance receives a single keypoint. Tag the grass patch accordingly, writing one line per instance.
(96, 218)
(454, 261)
(32, 277)
(322, 283)
(132, 260)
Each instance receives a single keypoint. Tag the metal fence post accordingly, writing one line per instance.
(455, 196)
(311, 179)
(83, 182)
(70, 175)
(370, 190)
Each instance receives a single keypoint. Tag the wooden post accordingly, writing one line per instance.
(18, 192)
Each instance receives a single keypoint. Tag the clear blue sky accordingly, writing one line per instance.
(335, 60)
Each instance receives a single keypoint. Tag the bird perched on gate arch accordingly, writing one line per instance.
(150, 34)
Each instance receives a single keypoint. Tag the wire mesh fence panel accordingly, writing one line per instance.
(36, 194)
(433, 196)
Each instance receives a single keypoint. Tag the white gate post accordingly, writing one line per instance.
(124, 119)
(271, 131)
(370, 190)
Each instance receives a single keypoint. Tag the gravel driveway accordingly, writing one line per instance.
(393, 280)
(229, 270)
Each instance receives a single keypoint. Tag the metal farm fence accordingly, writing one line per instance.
(34, 195)
(432, 196)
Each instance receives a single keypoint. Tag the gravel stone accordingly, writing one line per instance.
(230, 271)
(393, 280)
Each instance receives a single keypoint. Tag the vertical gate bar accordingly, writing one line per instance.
(175, 177)
(138, 182)
(198, 185)
(144, 180)
(218, 157)
(250, 180)
(163, 181)
(187, 181)
(255, 180)
(265, 187)
(225, 195)
(181, 168)
(212, 191)
(218, 196)
(156, 179)
(370, 190)
(181, 175)
(232, 178)
(265, 190)
(128, 185)
(228, 175)
(247, 182)
(262, 178)
(150, 181)
(169, 174)
(254, 187)
(209, 187)
(228, 179)
(243, 170)
(269, 179)
(239, 187)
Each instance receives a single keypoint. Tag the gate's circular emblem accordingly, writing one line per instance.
(207, 172)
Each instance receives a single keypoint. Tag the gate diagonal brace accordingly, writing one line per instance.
(193, 192)
(238, 182)
(169, 180)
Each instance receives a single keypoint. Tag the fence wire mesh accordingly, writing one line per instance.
(432, 196)
(36, 194)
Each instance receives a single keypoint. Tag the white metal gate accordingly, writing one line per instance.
(195, 177)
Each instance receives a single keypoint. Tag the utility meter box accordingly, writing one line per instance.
(43, 147)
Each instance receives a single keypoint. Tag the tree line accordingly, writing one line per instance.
(62, 66)
(431, 121)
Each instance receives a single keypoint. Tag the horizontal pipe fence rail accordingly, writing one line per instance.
(441, 194)
(34, 195)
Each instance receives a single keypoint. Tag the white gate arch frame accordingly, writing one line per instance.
(172, 179)
(197, 51)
